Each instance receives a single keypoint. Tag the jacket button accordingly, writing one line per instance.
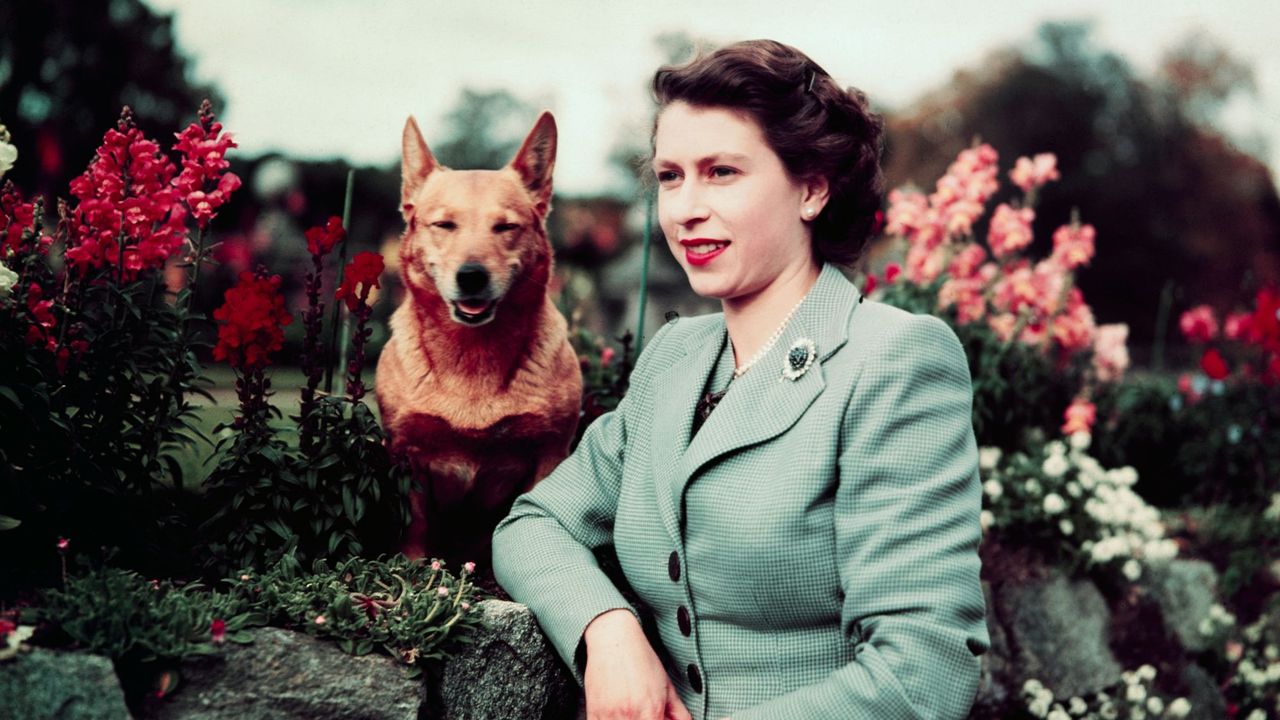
(682, 618)
(695, 678)
(673, 567)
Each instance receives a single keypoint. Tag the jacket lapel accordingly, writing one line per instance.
(676, 394)
(762, 403)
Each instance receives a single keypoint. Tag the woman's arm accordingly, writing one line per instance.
(543, 551)
(906, 535)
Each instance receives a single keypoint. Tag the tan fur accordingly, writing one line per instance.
(482, 412)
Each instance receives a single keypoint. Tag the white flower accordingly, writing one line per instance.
(1080, 441)
(1147, 672)
(1273, 672)
(1155, 705)
(1056, 447)
(1032, 486)
(1273, 511)
(1038, 707)
(1257, 714)
(1055, 466)
(1074, 490)
(993, 489)
(987, 518)
(1124, 477)
(1108, 711)
(1058, 714)
(1132, 570)
(988, 457)
(1180, 707)
(1135, 693)
(8, 279)
(8, 156)
(1054, 504)
(1206, 627)
(1066, 527)
(1032, 686)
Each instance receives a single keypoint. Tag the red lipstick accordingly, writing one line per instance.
(699, 259)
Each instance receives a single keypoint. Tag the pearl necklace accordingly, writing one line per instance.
(768, 345)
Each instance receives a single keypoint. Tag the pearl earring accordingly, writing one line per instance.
(808, 212)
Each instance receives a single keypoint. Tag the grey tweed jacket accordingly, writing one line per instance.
(812, 553)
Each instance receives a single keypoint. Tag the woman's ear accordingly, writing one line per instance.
(816, 193)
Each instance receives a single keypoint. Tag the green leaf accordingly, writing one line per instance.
(8, 523)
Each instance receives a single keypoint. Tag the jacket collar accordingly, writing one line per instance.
(759, 405)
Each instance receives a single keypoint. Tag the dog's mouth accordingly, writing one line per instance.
(473, 312)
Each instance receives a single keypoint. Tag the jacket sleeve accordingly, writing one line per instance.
(543, 551)
(907, 532)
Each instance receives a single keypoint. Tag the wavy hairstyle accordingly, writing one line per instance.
(816, 127)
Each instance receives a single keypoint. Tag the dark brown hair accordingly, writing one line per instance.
(816, 127)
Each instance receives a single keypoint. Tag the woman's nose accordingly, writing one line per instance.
(689, 205)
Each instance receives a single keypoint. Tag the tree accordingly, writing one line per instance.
(484, 130)
(67, 67)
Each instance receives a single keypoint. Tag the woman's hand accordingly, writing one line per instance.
(624, 677)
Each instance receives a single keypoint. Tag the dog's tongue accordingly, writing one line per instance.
(472, 308)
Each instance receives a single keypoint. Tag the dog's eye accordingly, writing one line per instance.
(505, 227)
(445, 225)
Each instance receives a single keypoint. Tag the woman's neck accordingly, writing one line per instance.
(752, 319)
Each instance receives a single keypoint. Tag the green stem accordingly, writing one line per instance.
(337, 306)
(644, 272)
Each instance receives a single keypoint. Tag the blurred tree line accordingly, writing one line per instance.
(1176, 203)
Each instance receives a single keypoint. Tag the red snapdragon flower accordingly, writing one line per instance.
(218, 631)
(321, 240)
(1214, 365)
(126, 198)
(891, 272)
(16, 216)
(1265, 324)
(204, 183)
(1199, 324)
(253, 319)
(359, 277)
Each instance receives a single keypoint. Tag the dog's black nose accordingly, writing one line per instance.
(473, 278)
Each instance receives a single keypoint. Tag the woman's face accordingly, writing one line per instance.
(733, 217)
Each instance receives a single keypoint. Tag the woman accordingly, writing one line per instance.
(790, 486)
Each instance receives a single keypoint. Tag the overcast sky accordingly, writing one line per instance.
(336, 78)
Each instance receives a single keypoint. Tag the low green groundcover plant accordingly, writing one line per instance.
(414, 611)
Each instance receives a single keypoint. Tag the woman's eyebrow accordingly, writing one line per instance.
(705, 160)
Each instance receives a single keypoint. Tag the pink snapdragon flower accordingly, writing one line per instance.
(1073, 245)
(1111, 352)
(1031, 173)
(1010, 230)
(1080, 416)
(965, 293)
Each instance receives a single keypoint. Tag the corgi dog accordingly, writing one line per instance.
(478, 385)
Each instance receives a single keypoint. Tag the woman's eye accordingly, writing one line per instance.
(667, 176)
(722, 171)
(445, 225)
(505, 227)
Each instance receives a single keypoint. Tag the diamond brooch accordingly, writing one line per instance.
(799, 359)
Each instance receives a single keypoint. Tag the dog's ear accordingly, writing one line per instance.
(536, 160)
(416, 164)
